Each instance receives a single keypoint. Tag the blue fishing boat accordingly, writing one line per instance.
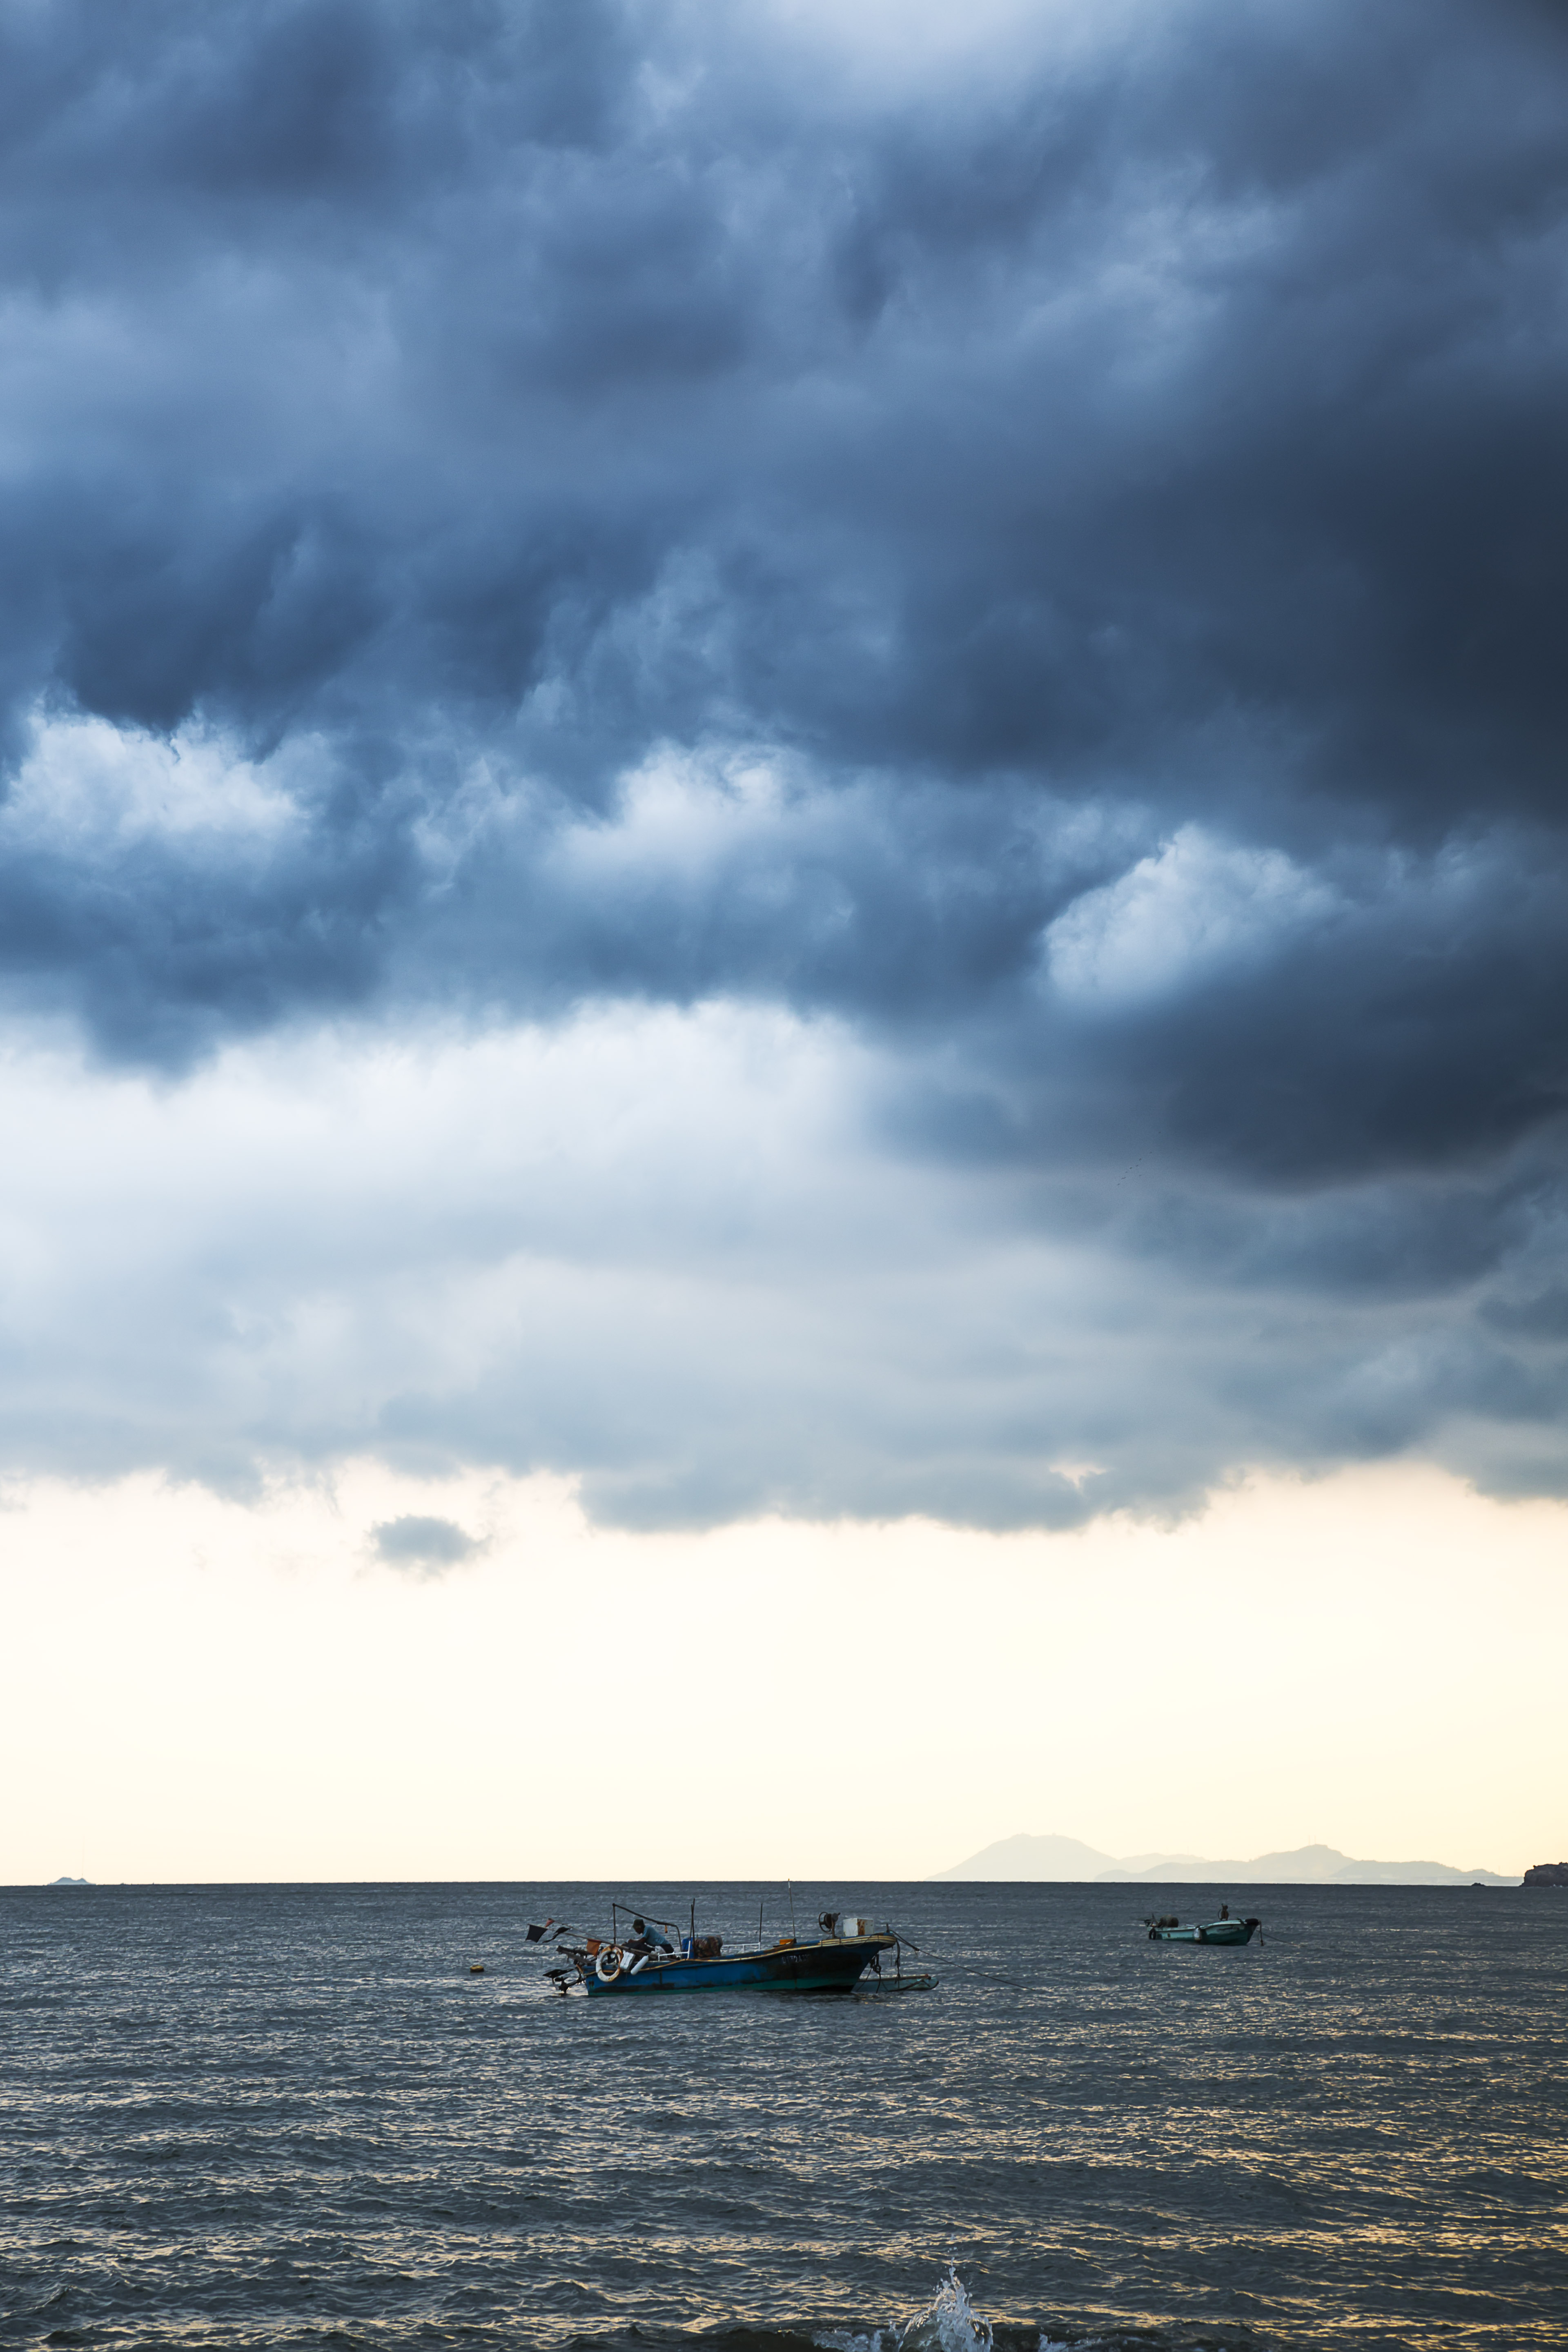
(1223, 1930)
(646, 1960)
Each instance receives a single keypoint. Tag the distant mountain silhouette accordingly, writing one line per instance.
(1039, 1858)
(1035, 1857)
(70, 1882)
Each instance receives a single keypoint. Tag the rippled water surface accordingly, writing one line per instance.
(291, 2115)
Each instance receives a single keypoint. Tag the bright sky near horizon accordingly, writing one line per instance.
(784, 928)
(201, 1689)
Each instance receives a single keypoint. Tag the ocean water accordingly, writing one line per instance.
(290, 2116)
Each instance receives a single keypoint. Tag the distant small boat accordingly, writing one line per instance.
(1224, 1931)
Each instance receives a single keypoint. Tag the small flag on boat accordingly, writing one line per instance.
(534, 1934)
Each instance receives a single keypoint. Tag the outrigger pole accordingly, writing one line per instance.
(638, 1911)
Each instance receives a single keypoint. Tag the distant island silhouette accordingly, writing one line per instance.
(1040, 1858)
(70, 1882)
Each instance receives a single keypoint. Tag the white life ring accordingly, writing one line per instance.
(607, 1966)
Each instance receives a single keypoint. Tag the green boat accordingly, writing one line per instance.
(1223, 1930)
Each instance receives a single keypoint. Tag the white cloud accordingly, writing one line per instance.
(86, 788)
(1196, 908)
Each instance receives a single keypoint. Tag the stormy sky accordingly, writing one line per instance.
(791, 765)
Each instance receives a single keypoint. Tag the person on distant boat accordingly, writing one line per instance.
(647, 1941)
(1225, 1910)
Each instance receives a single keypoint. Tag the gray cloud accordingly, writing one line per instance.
(680, 1260)
(423, 1546)
(1058, 572)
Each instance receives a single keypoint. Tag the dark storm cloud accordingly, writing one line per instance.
(1058, 563)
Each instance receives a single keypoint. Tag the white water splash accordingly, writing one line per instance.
(951, 2324)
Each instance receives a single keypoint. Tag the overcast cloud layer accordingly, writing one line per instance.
(1030, 589)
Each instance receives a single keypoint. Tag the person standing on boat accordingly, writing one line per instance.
(1225, 1910)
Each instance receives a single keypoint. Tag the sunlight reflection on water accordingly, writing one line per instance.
(289, 2115)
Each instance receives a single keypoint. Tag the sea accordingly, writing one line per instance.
(293, 2116)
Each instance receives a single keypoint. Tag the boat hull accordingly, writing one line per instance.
(835, 1964)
